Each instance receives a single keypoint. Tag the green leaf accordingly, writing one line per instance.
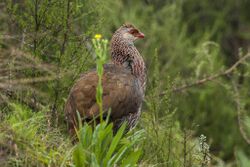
(79, 156)
(132, 159)
(94, 161)
(114, 143)
(118, 156)
(86, 136)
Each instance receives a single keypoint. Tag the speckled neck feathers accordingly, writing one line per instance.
(124, 53)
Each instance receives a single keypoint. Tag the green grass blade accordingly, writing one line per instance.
(114, 143)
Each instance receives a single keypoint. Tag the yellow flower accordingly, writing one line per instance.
(98, 36)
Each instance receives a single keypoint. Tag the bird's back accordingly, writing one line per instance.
(122, 94)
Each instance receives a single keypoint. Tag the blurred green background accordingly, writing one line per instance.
(46, 44)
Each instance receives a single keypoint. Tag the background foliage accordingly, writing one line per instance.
(46, 44)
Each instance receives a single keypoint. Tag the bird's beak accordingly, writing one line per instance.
(140, 35)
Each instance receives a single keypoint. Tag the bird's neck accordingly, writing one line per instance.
(125, 54)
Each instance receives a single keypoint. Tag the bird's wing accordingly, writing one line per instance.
(121, 93)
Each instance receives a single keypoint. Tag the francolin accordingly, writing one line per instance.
(123, 82)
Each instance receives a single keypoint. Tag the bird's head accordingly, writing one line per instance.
(123, 51)
(129, 33)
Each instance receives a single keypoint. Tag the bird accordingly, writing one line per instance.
(123, 83)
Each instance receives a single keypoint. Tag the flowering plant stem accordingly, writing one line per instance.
(100, 46)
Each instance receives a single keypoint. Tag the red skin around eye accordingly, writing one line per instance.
(136, 33)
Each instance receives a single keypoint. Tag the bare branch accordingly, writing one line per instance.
(212, 77)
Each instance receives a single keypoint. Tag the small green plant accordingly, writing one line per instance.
(99, 146)
(204, 149)
(100, 46)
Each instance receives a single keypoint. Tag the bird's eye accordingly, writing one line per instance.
(134, 31)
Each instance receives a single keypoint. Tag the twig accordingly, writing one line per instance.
(169, 142)
(212, 77)
(239, 113)
(185, 148)
(58, 71)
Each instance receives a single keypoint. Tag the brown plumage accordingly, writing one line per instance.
(123, 84)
